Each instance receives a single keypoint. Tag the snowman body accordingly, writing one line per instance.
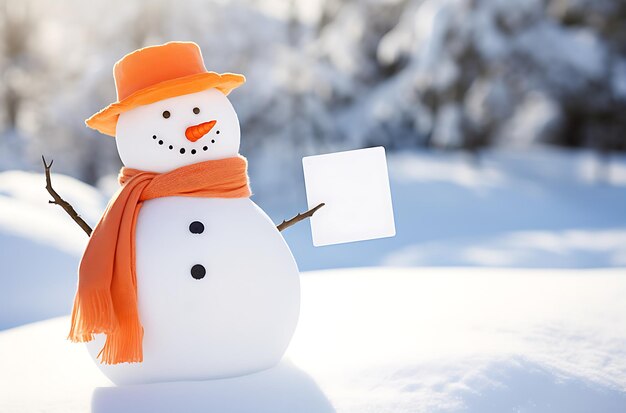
(235, 319)
(218, 288)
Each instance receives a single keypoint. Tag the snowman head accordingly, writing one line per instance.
(178, 131)
(170, 111)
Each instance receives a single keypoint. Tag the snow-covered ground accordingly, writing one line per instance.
(381, 340)
(534, 208)
(40, 246)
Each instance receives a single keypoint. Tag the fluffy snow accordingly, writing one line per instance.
(565, 53)
(40, 245)
(381, 339)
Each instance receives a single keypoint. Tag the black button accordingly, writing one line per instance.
(198, 271)
(196, 227)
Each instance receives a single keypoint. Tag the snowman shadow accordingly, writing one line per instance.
(283, 388)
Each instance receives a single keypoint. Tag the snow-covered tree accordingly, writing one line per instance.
(326, 74)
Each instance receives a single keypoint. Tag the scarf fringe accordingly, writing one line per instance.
(92, 314)
(124, 345)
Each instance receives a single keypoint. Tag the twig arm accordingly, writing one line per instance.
(286, 224)
(56, 199)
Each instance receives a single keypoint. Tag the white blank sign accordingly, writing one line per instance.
(354, 185)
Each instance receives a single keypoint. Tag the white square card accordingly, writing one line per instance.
(354, 185)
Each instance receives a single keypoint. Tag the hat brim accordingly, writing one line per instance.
(105, 121)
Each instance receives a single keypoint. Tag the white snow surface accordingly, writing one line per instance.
(381, 340)
(40, 246)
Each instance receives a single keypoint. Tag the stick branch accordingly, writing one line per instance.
(60, 201)
(286, 224)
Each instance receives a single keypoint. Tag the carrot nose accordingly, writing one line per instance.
(195, 132)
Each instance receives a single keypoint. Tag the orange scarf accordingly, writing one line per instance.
(106, 298)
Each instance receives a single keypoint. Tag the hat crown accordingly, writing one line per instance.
(156, 73)
(152, 65)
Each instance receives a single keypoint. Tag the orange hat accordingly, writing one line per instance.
(159, 72)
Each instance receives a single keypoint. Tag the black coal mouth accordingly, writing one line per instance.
(181, 149)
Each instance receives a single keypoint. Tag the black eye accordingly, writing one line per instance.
(166, 114)
(196, 110)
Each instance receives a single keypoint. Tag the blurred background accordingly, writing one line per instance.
(327, 74)
(504, 123)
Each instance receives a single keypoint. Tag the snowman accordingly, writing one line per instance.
(184, 277)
